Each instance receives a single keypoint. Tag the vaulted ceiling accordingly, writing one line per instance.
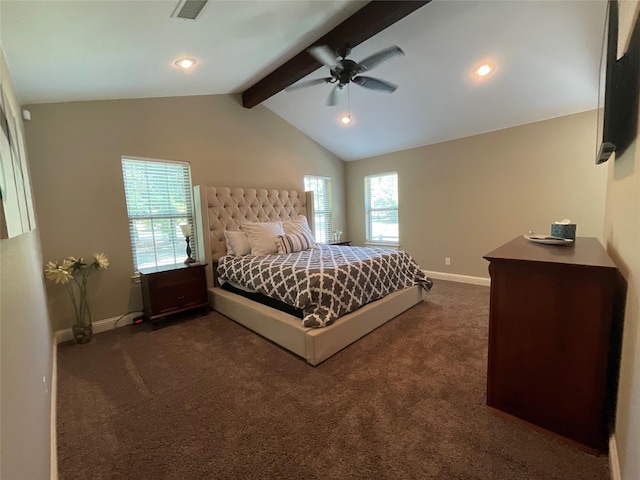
(546, 56)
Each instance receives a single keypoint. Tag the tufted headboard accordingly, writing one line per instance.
(221, 208)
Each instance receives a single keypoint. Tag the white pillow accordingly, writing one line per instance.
(262, 236)
(237, 243)
(299, 225)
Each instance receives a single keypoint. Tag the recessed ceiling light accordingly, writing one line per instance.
(185, 63)
(345, 119)
(484, 69)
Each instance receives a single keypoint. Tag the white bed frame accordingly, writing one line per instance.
(223, 208)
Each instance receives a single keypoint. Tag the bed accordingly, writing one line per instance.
(220, 209)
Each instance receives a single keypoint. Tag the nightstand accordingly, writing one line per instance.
(343, 242)
(172, 289)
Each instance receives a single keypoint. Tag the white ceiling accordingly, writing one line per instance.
(547, 57)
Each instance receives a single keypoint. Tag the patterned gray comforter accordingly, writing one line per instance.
(326, 281)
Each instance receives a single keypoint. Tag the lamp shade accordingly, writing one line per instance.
(186, 229)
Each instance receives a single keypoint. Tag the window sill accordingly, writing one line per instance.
(382, 244)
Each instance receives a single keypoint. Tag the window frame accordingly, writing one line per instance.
(176, 243)
(323, 215)
(369, 210)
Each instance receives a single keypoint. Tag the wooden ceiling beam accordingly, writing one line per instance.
(362, 25)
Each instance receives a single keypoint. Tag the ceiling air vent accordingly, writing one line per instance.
(188, 9)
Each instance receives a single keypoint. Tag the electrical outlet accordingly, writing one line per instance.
(447, 261)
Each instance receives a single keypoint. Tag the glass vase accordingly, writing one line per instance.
(82, 333)
(83, 326)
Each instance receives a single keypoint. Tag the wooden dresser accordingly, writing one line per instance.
(172, 289)
(550, 333)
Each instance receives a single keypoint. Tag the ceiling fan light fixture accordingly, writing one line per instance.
(345, 119)
(185, 62)
(484, 69)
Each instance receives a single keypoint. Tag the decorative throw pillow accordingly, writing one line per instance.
(237, 243)
(295, 242)
(299, 225)
(262, 236)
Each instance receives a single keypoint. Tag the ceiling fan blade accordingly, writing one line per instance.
(307, 83)
(375, 84)
(325, 56)
(332, 100)
(379, 57)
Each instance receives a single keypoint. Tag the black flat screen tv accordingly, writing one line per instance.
(618, 89)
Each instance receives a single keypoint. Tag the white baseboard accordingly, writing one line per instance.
(99, 326)
(454, 277)
(54, 406)
(614, 462)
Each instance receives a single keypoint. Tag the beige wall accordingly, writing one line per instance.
(75, 152)
(458, 199)
(25, 349)
(622, 237)
(463, 198)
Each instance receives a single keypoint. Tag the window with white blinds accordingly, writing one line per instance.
(381, 208)
(321, 188)
(159, 199)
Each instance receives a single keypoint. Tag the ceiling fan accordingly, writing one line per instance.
(344, 71)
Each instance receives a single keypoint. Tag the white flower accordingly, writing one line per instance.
(57, 273)
(65, 271)
(101, 261)
(75, 263)
(66, 264)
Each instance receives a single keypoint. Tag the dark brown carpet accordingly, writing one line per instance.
(204, 398)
